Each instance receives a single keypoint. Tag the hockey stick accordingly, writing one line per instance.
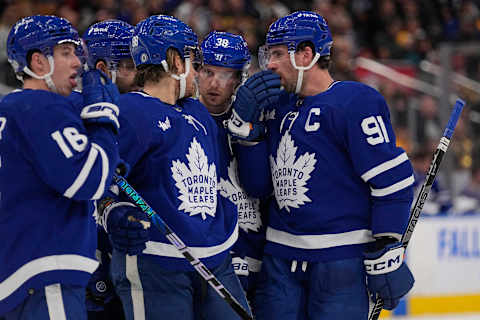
(426, 186)
(158, 222)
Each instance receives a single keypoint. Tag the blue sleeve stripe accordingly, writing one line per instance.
(393, 188)
(44, 264)
(387, 165)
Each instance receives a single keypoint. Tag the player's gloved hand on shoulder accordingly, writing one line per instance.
(100, 97)
(259, 91)
(388, 276)
(127, 227)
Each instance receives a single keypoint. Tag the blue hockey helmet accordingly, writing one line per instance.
(37, 33)
(224, 49)
(299, 27)
(108, 40)
(156, 34)
(292, 30)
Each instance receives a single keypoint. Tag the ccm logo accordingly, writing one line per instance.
(390, 261)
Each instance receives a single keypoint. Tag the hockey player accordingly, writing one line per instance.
(342, 188)
(171, 145)
(108, 50)
(108, 46)
(54, 162)
(226, 60)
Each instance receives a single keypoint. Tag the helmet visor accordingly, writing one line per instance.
(220, 75)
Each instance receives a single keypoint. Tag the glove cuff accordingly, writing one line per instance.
(389, 261)
(114, 216)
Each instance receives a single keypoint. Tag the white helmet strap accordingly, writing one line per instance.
(47, 77)
(181, 77)
(301, 69)
(114, 75)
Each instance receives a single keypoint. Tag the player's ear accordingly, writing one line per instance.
(306, 55)
(39, 64)
(179, 64)
(102, 66)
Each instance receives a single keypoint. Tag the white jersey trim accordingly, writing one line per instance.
(394, 187)
(254, 265)
(321, 241)
(168, 250)
(55, 306)
(83, 175)
(136, 288)
(105, 168)
(45, 264)
(387, 165)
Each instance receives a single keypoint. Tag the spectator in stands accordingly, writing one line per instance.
(468, 201)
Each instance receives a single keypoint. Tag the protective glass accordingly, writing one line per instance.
(270, 54)
(222, 77)
(263, 57)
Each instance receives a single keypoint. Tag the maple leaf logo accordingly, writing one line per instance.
(248, 208)
(197, 182)
(290, 175)
(164, 125)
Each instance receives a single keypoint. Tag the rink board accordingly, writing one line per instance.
(444, 256)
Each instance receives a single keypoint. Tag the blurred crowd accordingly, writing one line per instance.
(398, 33)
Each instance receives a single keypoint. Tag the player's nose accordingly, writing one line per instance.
(76, 62)
(271, 65)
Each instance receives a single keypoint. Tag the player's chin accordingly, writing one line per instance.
(65, 90)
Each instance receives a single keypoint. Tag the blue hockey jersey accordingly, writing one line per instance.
(51, 168)
(173, 154)
(338, 177)
(251, 237)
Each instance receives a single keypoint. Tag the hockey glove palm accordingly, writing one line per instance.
(388, 276)
(260, 91)
(127, 227)
(100, 97)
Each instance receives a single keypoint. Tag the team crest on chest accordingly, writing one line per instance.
(197, 182)
(290, 174)
(248, 208)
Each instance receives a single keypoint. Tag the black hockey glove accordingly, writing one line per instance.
(100, 97)
(99, 290)
(259, 91)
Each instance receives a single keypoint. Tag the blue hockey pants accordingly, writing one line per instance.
(291, 290)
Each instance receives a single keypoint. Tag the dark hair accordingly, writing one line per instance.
(323, 62)
(29, 64)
